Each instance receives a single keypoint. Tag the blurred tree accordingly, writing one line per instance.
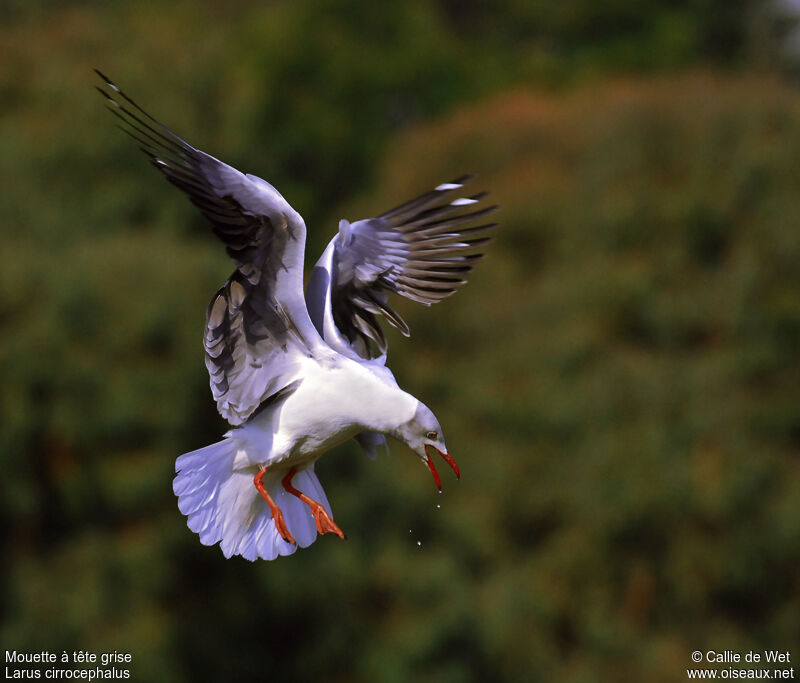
(619, 381)
(624, 396)
(308, 92)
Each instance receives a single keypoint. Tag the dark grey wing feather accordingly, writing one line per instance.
(422, 250)
(257, 321)
(240, 216)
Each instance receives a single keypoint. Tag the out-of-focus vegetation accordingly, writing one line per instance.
(619, 381)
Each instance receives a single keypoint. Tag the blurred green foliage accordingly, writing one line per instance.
(619, 381)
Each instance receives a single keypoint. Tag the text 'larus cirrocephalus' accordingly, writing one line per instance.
(297, 374)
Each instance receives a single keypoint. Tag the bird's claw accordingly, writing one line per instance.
(325, 524)
(280, 525)
(322, 519)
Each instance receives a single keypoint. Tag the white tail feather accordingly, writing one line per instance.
(215, 491)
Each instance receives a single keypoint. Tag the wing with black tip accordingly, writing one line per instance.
(422, 250)
(257, 324)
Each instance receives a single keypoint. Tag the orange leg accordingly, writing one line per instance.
(324, 523)
(277, 515)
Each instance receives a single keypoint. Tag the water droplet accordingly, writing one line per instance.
(438, 505)
(419, 544)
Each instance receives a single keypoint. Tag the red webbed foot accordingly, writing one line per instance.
(322, 519)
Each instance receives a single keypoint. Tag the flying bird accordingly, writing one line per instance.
(297, 372)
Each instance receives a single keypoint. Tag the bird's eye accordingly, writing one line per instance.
(433, 436)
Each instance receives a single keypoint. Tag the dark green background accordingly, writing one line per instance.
(619, 381)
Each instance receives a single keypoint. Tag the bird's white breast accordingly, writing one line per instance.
(334, 402)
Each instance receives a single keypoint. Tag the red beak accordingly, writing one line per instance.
(449, 459)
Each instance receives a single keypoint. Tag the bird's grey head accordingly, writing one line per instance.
(423, 432)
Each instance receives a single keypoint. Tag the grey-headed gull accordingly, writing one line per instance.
(296, 374)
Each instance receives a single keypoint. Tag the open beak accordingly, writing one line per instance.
(449, 459)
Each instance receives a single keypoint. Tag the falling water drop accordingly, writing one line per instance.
(419, 544)
(438, 505)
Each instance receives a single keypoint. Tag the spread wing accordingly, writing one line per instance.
(257, 324)
(422, 250)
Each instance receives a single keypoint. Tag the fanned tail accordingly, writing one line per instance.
(215, 491)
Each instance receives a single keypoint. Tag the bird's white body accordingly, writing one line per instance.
(294, 373)
(318, 415)
(215, 484)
